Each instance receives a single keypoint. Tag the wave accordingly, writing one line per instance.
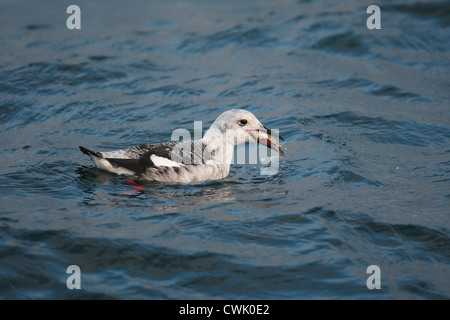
(387, 131)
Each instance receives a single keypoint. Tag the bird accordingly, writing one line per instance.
(191, 161)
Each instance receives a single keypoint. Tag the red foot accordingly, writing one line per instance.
(135, 186)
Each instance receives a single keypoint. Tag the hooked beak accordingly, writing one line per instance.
(265, 137)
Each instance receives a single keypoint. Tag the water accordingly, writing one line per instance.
(365, 179)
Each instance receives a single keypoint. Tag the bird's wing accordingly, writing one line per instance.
(138, 151)
(137, 160)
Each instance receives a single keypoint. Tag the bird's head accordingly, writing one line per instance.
(242, 126)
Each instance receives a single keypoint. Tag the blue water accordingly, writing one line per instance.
(365, 180)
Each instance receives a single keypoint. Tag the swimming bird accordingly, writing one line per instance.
(189, 161)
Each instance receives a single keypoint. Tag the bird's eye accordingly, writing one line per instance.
(242, 122)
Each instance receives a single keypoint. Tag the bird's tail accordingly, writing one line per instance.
(91, 153)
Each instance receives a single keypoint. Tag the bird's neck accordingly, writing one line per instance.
(220, 146)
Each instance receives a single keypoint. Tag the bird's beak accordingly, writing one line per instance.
(266, 137)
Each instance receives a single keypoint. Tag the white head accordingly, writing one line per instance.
(241, 126)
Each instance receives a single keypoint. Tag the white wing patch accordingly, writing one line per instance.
(164, 162)
(106, 165)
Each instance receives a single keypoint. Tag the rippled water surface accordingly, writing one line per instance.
(365, 179)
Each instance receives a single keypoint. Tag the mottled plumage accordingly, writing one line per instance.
(187, 161)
